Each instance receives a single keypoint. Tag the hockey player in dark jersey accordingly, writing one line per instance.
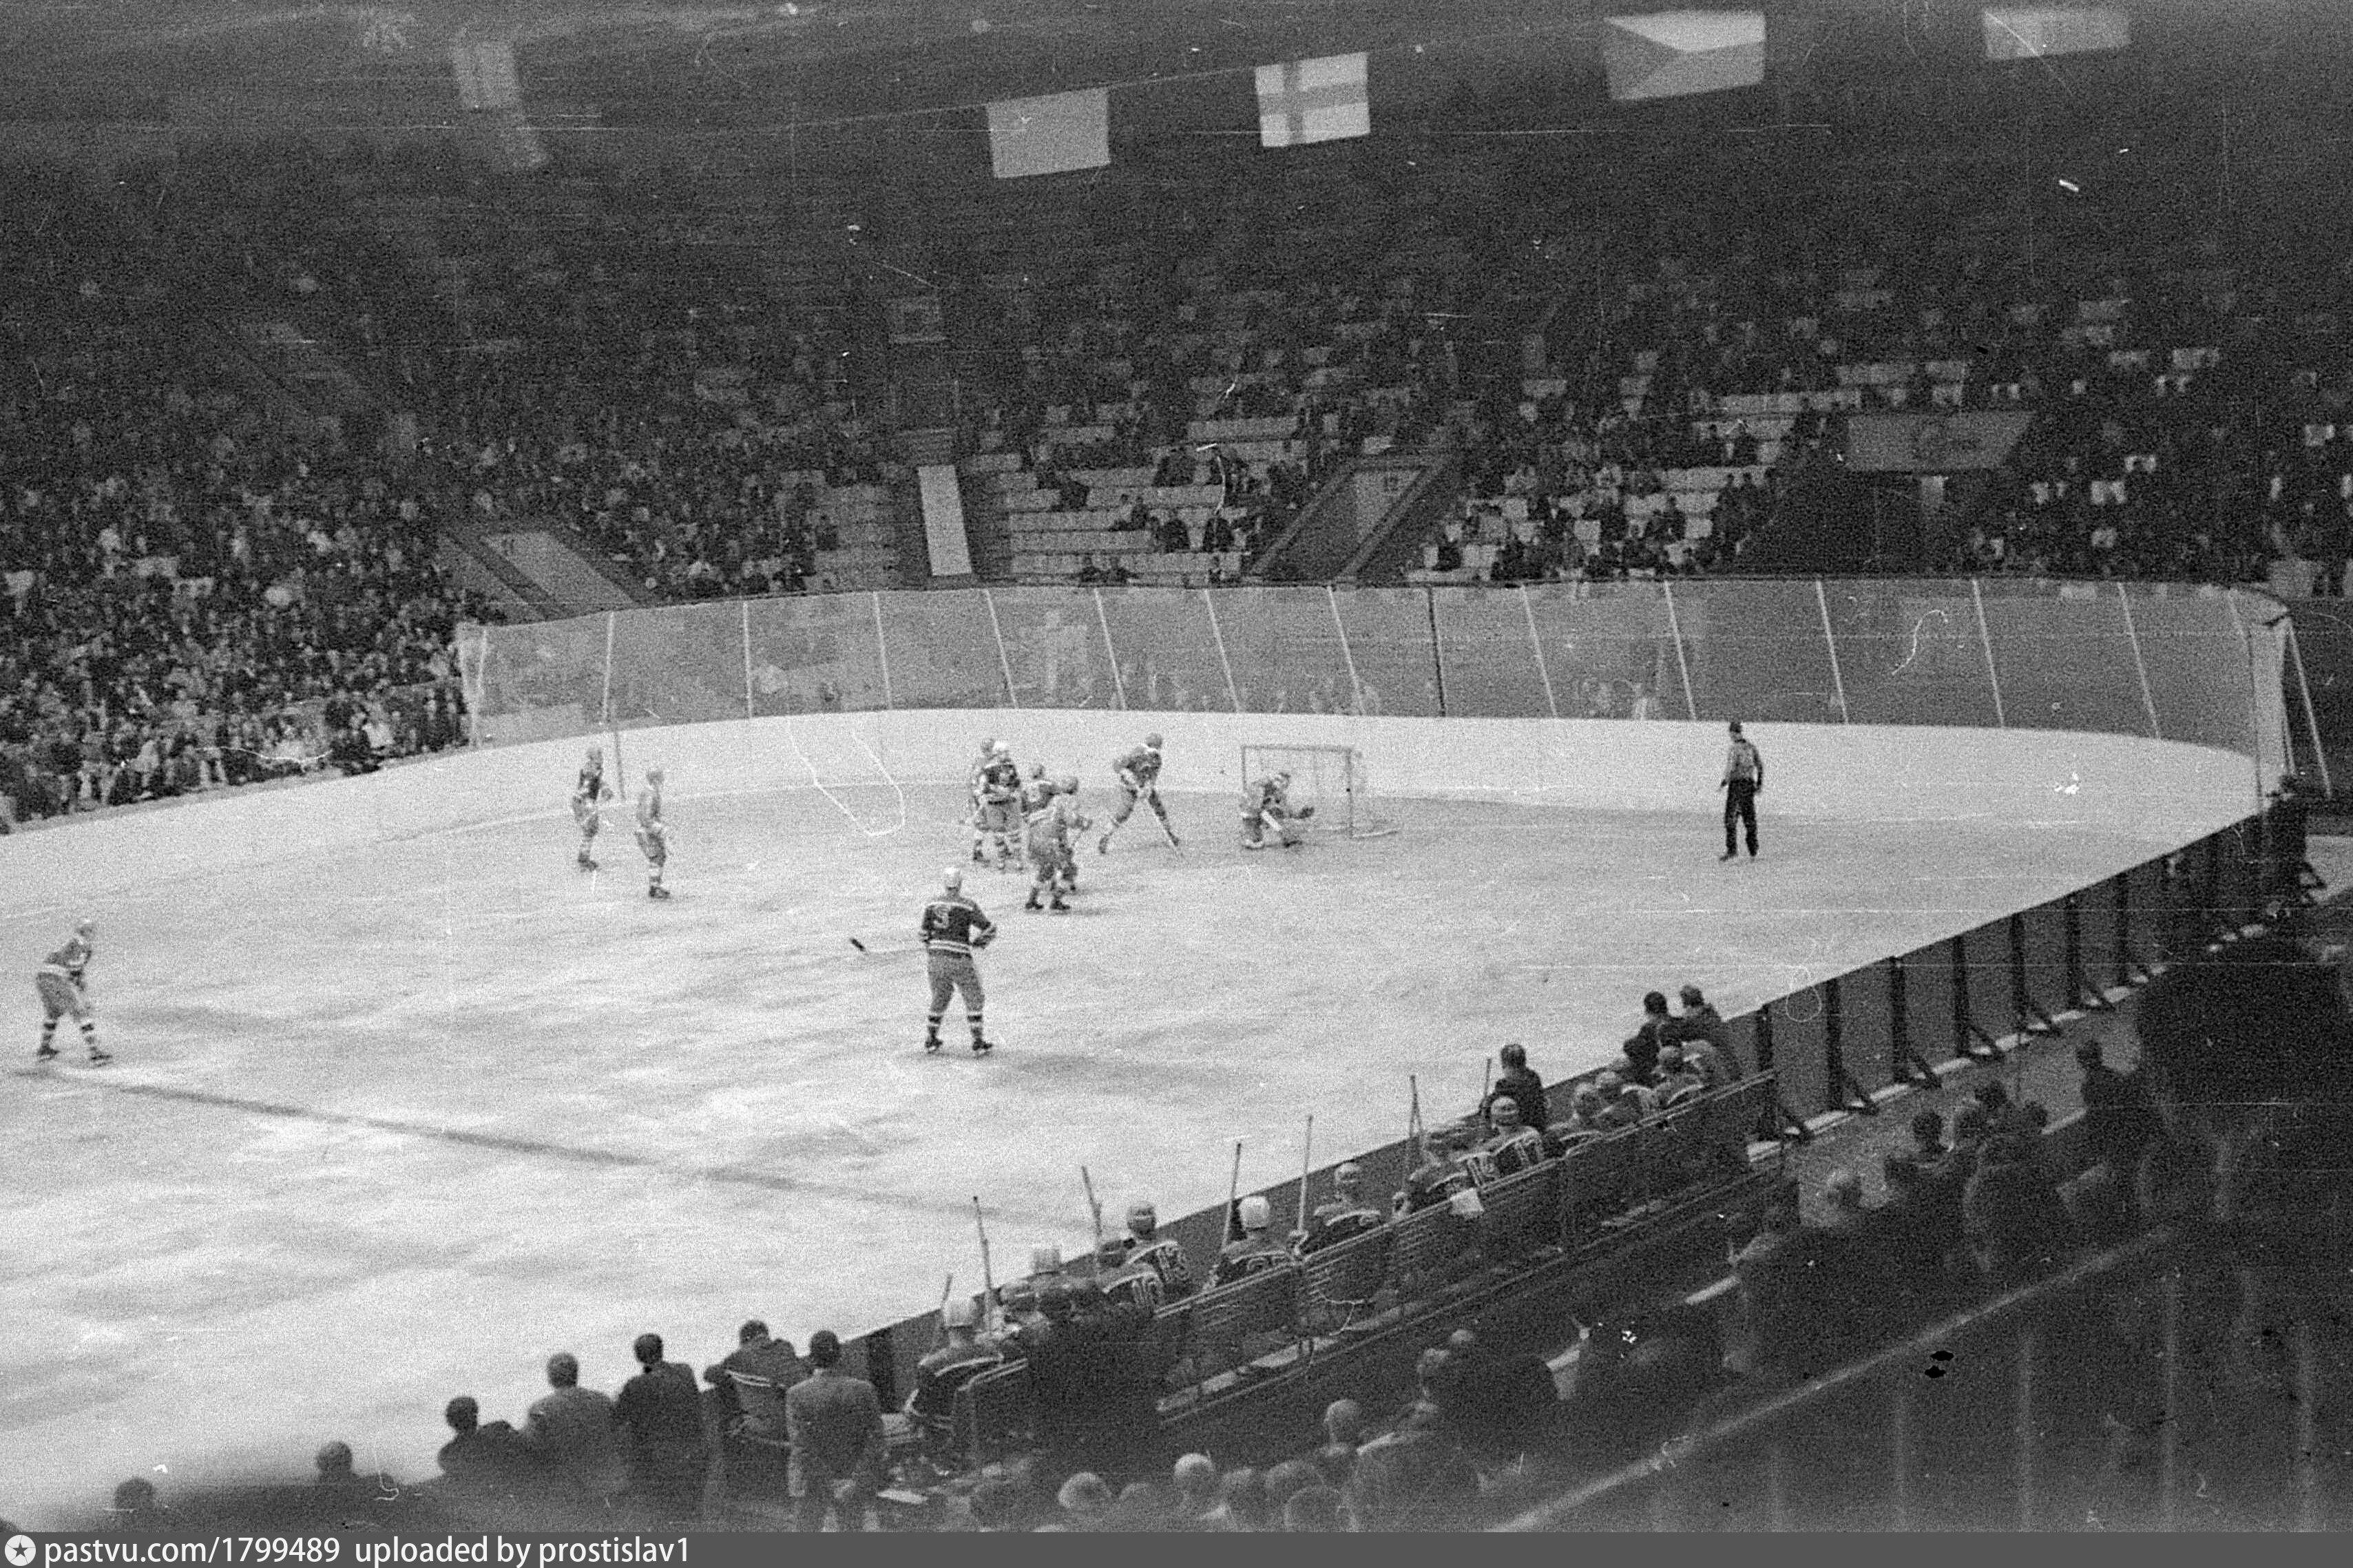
(586, 794)
(654, 835)
(1053, 868)
(953, 930)
(1138, 773)
(64, 987)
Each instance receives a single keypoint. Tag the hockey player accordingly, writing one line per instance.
(64, 986)
(953, 930)
(1000, 805)
(586, 794)
(974, 782)
(653, 835)
(1138, 773)
(1053, 868)
(1266, 804)
(1037, 792)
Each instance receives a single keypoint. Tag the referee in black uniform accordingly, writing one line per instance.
(1743, 782)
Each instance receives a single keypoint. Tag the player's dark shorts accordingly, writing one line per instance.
(60, 997)
(655, 846)
(951, 972)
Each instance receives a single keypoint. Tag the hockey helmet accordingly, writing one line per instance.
(959, 1314)
(1045, 1259)
(653, 776)
(1152, 741)
(1068, 784)
(951, 878)
(987, 744)
(1143, 1217)
(1037, 770)
(596, 755)
(1000, 749)
(1255, 1215)
(85, 927)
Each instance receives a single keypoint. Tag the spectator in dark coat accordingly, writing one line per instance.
(487, 1467)
(572, 1430)
(661, 1414)
(1413, 1479)
(2118, 1121)
(2017, 1224)
(1517, 1083)
(1919, 1226)
(835, 1421)
(1658, 1027)
(1700, 1025)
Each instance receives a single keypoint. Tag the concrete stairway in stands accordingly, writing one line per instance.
(923, 449)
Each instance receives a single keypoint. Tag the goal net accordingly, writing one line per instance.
(1332, 779)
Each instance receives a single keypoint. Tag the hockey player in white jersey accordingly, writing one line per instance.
(1053, 868)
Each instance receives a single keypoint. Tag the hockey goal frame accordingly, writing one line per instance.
(1346, 804)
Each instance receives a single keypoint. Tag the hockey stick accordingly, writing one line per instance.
(946, 1289)
(988, 1279)
(1094, 1206)
(1306, 1163)
(881, 949)
(1233, 1194)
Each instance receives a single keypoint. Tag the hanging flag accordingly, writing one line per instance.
(1049, 135)
(2029, 32)
(1322, 99)
(486, 75)
(1669, 54)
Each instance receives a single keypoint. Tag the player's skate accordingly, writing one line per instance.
(1058, 907)
(1033, 906)
(982, 1048)
(931, 1044)
(98, 1059)
(586, 864)
(48, 1053)
(657, 891)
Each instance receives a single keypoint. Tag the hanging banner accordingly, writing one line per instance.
(1049, 135)
(1939, 442)
(1324, 99)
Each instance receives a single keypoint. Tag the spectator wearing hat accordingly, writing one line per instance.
(835, 1423)
(1255, 1251)
(1516, 1082)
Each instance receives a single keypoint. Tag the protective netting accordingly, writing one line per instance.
(2195, 664)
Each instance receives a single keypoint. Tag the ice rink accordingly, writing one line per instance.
(393, 1125)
